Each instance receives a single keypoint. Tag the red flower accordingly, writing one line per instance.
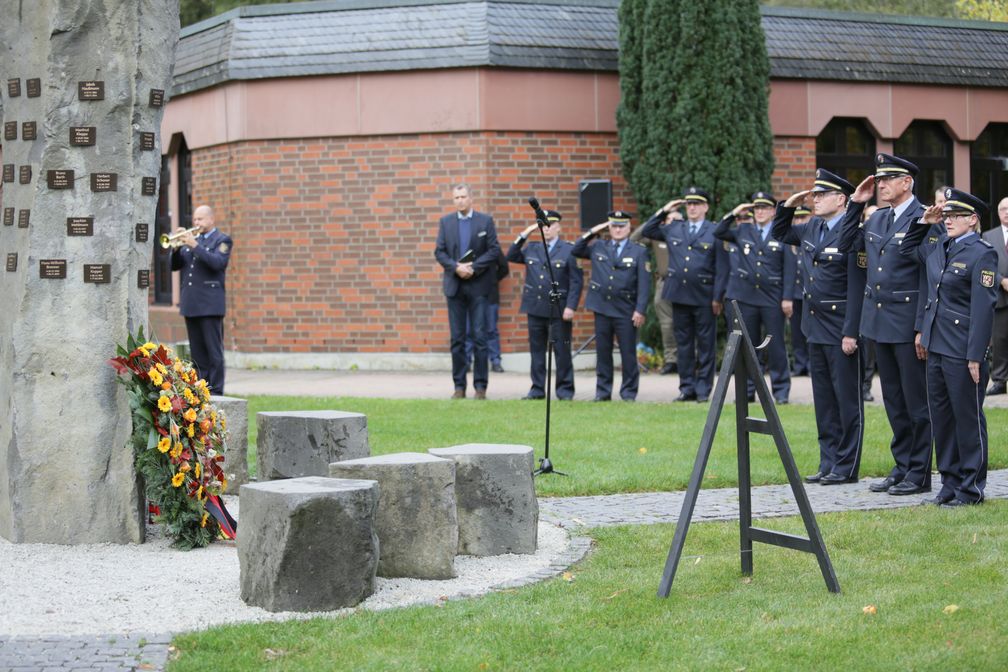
(177, 404)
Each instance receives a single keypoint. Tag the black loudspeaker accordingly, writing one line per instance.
(595, 197)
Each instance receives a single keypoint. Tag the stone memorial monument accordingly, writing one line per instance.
(82, 89)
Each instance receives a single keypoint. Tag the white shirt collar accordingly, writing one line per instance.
(467, 215)
(902, 207)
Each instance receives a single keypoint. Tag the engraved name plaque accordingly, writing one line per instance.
(104, 182)
(156, 97)
(8, 217)
(8, 172)
(143, 279)
(10, 130)
(52, 269)
(23, 218)
(60, 179)
(11, 261)
(82, 136)
(24, 174)
(146, 141)
(91, 90)
(148, 186)
(80, 226)
(98, 274)
(34, 87)
(13, 87)
(29, 130)
(142, 231)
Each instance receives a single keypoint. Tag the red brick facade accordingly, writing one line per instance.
(334, 237)
(795, 164)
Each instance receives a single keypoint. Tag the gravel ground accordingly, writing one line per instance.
(48, 589)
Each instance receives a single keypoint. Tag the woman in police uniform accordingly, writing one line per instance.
(955, 331)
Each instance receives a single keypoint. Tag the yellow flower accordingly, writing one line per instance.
(155, 377)
(164, 444)
(191, 431)
(162, 370)
(177, 366)
(177, 479)
(164, 404)
(198, 471)
(223, 484)
(176, 451)
(149, 346)
(199, 493)
(190, 415)
(213, 417)
(206, 514)
(185, 467)
(223, 423)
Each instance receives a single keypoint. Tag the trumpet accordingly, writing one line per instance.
(175, 239)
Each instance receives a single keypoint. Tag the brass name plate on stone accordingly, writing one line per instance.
(52, 269)
(99, 274)
(142, 231)
(60, 179)
(146, 140)
(143, 279)
(14, 87)
(82, 136)
(148, 186)
(104, 182)
(29, 130)
(8, 217)
(8, 172)
(24, 174)
(34, 87)
(156, 97)
(11, 261)
(80, 226)
(10, 130)
(23, 218)
(92, 90)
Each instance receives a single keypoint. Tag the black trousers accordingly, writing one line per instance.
(770, 319)
(904, 393)
(959, 425)
(999, 346)
(473, 306)
(798, 346)
(206, 343)
(626, 335)
(839, 409)
(696, 340)
(538, 335)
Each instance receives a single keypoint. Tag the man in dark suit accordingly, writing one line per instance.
(467, 250)
(793, 295)
(694, 257)
(549, 320)
(891, 315)
(998, 237)
(618, 294)
(956, 327)
(203, 259)
(834, 286)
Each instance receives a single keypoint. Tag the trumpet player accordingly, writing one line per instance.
(202, 254)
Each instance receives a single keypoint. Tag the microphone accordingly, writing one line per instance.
(540, 215)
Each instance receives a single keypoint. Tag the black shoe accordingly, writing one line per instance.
(602, 399)
(956, 503)
(906, 488)
(497, 368)
(883, 485)
(835, 479)
(562, 398)
(798, 373)
(750, 398)
(531, 396)
(701, 400)
(469, 367)
(814, 478)
(996, 388)
(629, 400)
(867, 396)
(685, 397)
(782, 401)
(938, 499)
(670, 367)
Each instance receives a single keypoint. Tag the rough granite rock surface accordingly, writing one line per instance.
(304, 443)
(236, 448)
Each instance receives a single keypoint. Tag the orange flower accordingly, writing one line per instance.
(165, 385)
(184, 467)
(205, 426)
(190, 415)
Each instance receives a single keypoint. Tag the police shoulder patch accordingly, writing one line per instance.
(987, 278)
(862, 259)
(223, 248)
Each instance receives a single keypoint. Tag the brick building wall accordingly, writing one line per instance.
(794, 166)
(334, 237)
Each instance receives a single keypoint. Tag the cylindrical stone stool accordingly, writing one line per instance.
(305, 443)
(495, 497)
(236, 446)
(307, 544)
(416, 522)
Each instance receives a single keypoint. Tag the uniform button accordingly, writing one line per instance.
(882, 252)
(907, 299)
(687, 258)
(610, 277)
(879, 269)
(957, 321)
(190, 284)
(833, 307)
(815, 263)
(761, 254)
(757, 286)
(878, 286)
(878, 305)
(811, 312)
(541, 277)
(759, 263)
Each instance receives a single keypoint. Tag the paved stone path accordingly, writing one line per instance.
(120, 653)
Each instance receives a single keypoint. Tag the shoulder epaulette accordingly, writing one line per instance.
(985, 242)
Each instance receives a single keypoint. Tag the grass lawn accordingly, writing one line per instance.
(912, 565)
(607, 448)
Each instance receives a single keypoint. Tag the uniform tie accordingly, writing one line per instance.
(890, 220)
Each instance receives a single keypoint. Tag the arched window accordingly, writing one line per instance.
(928, 145)
(989, 168)
(847, 148)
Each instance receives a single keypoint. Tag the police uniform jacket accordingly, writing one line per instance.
(536, 292)
(833, 281)
(693, 260)
(618, 285)
(486, 251)
(758, 271)
(959, 311)
(203, 268)
(892, 310)
(794, 290)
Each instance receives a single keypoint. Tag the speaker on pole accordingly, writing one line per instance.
(595, 198)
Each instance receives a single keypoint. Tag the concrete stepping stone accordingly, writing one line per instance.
(304, 443)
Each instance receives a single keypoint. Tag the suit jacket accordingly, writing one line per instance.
(483, 242)
(995, 237)
(619, 285)
(203, 268)
(758, 271)
(692, 260)
(566, 271)
(833, 281)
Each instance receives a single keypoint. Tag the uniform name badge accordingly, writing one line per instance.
(627, 260)
(987, 278)
(832, 250)
(745, 250)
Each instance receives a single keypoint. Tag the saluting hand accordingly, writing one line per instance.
(637, 319)
(672, 205)
(797, 199)
(864, 191)
(528, 230)
(742, 207)
(599, 227)
(933, 214)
